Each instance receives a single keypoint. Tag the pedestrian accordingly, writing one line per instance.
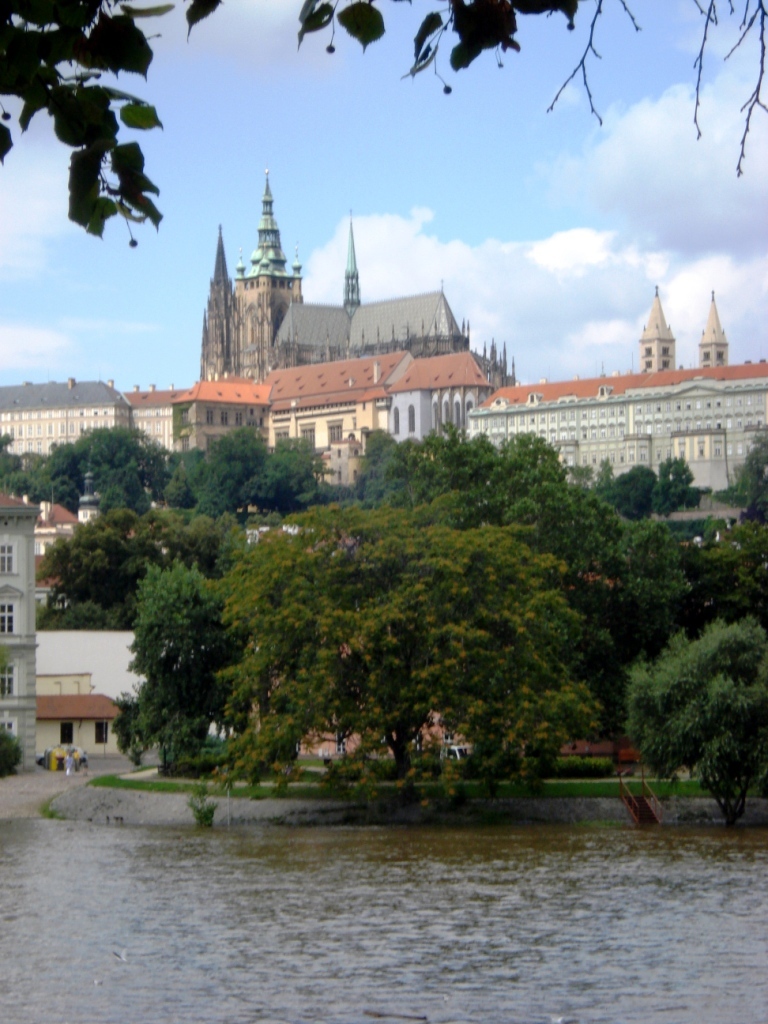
(69, 763)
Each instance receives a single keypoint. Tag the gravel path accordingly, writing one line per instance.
(22, 795)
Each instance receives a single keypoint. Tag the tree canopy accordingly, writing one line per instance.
(703, 705)
(381, 625)
(64, 56)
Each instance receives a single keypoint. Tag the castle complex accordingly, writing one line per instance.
(261, 322)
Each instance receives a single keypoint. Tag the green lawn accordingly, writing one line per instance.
(470, 788)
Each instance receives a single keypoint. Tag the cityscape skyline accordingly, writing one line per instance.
(546, 231)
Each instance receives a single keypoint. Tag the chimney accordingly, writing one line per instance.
(110, 384)
(376, 372)
(136, 389)
(151, 387)
(70, 382)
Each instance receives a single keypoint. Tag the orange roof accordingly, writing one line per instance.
(331, 383)
(622, 383)
(83, 706)
(9, 502)
(232, 391)
(455, 370)
(57, 515)
(137, 399)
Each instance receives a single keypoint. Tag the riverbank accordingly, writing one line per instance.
(104, 806)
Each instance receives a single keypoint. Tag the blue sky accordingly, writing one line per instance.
(547, 231)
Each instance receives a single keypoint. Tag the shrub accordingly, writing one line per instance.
(202, 808)
(10, 753)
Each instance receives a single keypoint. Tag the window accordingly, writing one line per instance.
(102, 732)
(209, 417)
(447, 413)
(6, 557)
(185, 444)
(6, 618)
(308, 434)
(224, 415)
(6, 681)
(335, 430)
(66, 733)
(238, 419)
(341, 743)
(412, 417)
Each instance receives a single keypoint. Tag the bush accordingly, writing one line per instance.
(10, 753)
(202, 808)
(204, 763)
(583, 768)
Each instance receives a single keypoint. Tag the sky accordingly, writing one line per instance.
(547, 231)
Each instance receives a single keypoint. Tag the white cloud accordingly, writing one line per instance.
(558, 314)
(26, 347)
(647, 168)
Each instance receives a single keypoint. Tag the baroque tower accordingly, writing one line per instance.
(657, 343)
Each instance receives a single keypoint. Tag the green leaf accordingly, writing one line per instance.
(103, 209)
(200, 9)
(140, 115)
(117, 44)
(363, 22)
(315, 19)
(84, 185)
(421, 65)
(463, 54)
(431, 24)
(6, 142)
(146, 12)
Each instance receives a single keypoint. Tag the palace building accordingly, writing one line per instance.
(260, 323)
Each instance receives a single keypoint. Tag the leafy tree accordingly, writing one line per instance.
(179, 646)
(96, 573)
(178, 492)
(703, 705)
(753, 480)
(291, 478)
(633, 492)
(59, 56)
(10, 753)
(673, 488)
(232, 474)
(387, 622)
(374, 484)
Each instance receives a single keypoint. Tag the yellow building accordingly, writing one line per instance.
(212, 408)
(70, 714)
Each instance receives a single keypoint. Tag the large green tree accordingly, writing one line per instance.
(179, 647)
(379, 625)
(673, 489)
(703, 705)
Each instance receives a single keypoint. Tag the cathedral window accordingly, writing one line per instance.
(412, 419)
(396, 422)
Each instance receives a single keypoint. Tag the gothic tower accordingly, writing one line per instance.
(713, 347)
(351, 278)
(219, 322)
(657, 343)
(264, 293)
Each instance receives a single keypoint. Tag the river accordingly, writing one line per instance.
(353, 925)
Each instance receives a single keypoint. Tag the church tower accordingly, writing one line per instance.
(219, 322)
(713, 347)
(351, 278)
(264, 293)
(657, 343)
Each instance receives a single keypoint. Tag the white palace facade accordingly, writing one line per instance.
(707, 415)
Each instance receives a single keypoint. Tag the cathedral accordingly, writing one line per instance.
(261, 322)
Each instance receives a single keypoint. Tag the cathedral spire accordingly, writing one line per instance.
(351, 278)
(220, 275)
(713, 347)
(657, 343)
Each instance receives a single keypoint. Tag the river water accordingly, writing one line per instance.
(351, 926)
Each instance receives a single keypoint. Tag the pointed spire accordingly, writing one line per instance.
(714, 332)
(656, 328)
(220, 275)
(296, 265)
(351, 277)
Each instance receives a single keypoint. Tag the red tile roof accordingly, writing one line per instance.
(455, 370)
(138, 399)
(81, 706)
(619, 385)
(349, 380)
(232, 391)
(57, 515)
(7, 501)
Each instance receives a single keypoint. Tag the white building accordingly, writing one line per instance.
(17, 622)
(707, 415)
